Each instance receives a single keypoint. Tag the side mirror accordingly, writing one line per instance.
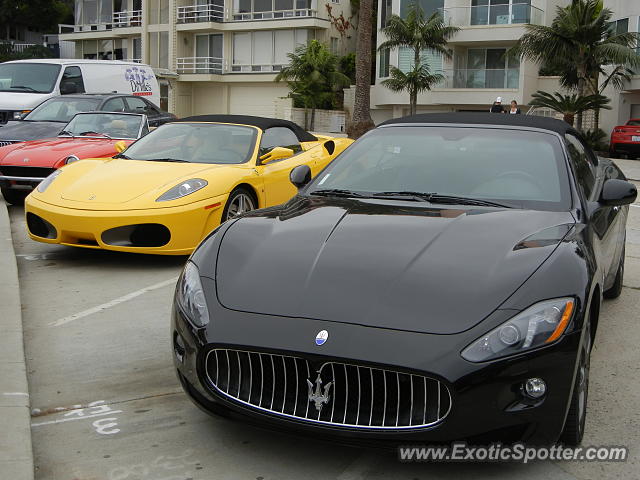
(300, 176)
(617, 192)
(67, 88)
(120, 146)
(276, 153)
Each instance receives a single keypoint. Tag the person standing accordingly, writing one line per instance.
(514, 110)
(497, 106)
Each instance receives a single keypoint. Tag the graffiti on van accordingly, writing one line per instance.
(139, 79)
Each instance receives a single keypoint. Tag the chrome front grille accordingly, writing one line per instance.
(333, 393)
(4, 143)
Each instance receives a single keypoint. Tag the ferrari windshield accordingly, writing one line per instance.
(196, 143)
(119, 126)
(516, 168)
(28, 77)
(61, 109)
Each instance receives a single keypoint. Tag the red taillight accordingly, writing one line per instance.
(618, 130)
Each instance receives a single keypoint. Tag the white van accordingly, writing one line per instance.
(24, 84)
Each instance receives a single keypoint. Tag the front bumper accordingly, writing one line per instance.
(182, 227)
(487, 404)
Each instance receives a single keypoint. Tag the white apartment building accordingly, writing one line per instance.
(210, 56)
(479, 71)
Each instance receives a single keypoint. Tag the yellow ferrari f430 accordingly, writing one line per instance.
(169, 189)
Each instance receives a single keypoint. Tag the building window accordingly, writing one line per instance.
(488, 68)
(208, 53)
(267, 9)
(99, 49)
(94, 12)
(159, 12)
(334, 45)
(265, 51)
(619, 26)
(137, 49)
(384, 63)
(159, 49)
(430, 58)
(385, 12)
(497, 12)
(429, 6)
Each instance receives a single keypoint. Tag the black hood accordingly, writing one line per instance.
(393, 265)
(23, 130)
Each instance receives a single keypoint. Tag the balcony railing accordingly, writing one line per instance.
(18, 47)
(506, 78)
(256, 68)
(200, 13)
(210, 65)
(506, 14)
(275, 14)
(127, 19)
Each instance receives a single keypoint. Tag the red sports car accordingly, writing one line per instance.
(625, 139)
(88, 135)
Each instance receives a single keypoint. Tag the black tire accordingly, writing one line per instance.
(232, 208)
(616, 288)
(14, 197)
(573, 430)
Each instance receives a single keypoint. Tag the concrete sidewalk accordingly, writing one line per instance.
(631, 168)
(16, 454)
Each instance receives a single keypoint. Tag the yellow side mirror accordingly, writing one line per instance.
(120, 146)
(276, 153)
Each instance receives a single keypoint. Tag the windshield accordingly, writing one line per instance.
(113, 125)
(512, 167)
(28, 77)
(61, 109)
(633, 123)
(196, 143)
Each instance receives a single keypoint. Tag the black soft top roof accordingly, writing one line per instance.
(481, 118)
(261, 122)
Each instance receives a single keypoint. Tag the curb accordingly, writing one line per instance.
(16, 454)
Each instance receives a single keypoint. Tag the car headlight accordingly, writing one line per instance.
(538, 325)
(182, 190)
(44, 184)
(190, 296)
(70, 159)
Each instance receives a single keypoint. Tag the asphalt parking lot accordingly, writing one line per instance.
(106, 403)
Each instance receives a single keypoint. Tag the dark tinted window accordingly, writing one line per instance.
(28, 77)
(72, 81)
(582, 164)
(279, 137)
(136, 105)
(114, 105)
(519, 168)
(61, 109)
(634, 123)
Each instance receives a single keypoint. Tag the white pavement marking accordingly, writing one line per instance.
(51, 422)
(112, 303)
(634, 205)
(15, 394)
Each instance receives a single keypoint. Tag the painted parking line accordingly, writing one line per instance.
(112, 303)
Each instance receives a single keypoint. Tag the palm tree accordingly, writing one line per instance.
(581, 42)
(361, 116)
(313, 77)
(569, 105)
(418, 34)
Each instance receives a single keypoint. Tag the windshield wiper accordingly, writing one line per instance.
(455, 200)
(96, 133)
(405, 195)
(336, 192)
(66, 132)
(167, 160)
(28, 89)
(121, 155)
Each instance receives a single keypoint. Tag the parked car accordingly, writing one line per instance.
(50, 117)
(24, 84)
(88, 135)
(625, 139)
(169, 189)
(427, 286)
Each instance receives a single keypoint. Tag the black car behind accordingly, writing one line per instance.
(48, 118)
(440, 280)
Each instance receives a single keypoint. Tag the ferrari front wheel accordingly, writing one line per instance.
(14, 197)
(240, 201)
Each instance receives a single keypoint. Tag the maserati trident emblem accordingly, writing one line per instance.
(319, 396)
(322, 337)
(92, 197)
(25, 160)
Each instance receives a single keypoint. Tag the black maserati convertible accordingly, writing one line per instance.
(440, 280)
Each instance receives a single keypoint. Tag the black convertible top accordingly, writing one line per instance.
(261, 122)
(481, 118)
